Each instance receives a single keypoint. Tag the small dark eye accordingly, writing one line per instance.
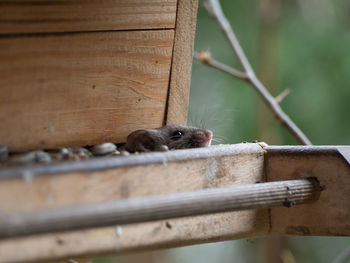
(177, 135)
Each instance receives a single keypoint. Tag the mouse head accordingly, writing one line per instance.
(173, 136)
(182, 137)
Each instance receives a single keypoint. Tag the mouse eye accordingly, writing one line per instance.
(177, 135)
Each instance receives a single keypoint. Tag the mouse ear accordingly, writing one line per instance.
(140, 141)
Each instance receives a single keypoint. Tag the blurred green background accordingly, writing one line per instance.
(300, 45)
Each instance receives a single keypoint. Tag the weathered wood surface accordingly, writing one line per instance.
(38, 16)
(178, 171)
(179, 89)
(82, 89)
(159, 207)
(331, 165)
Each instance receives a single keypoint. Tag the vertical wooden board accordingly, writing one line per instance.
(82, 89)
(179, 89)
(38, 16)
(327, 216)
(224, 166)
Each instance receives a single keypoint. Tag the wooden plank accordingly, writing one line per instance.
(160, 207)
(181, 67)
(82, 89)
(38, 16)
(178, 171)
(330, 165)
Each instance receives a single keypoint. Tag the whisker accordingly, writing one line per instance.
(218, 137)
(218, 140)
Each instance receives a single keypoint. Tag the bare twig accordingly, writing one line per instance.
(205, 57)
(282, 95)
(271, 102)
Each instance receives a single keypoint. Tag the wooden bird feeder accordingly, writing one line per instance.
(81, 73)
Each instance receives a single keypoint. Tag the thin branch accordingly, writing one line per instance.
(226, 27)
(282, 95)
(271, 102)
(205, 57)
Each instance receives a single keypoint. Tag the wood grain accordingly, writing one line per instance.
(330, 214)
(160, 207)
(179, 89)
(234, 165)
(38, 16)
(82, 89)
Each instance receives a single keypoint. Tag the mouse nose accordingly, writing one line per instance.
(208, 135)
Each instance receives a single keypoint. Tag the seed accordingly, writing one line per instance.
(103, 149)
(79, 150)
(22, 158)
(42, 157)
(124, 153)
(59, 154)
(77, 153)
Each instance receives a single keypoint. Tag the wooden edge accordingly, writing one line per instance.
(308, 150)
(330, 165)
(241, 164)
(42, 17)
(97, 164)
(180, 76)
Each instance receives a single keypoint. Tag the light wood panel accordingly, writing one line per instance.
(177, 171)
(330, 165)
(37, 16)
(82, 89)
(179, 89)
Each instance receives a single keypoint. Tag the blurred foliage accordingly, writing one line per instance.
(300, 45)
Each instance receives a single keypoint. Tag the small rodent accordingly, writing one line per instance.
(173, 136)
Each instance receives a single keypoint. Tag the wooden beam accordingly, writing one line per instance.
(180, 79)
(165, 173)
(82, 89)
(159, 207)
(106, 179)
(331, 166)
(37, 16)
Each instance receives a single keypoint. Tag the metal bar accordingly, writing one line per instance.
(255, 196)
